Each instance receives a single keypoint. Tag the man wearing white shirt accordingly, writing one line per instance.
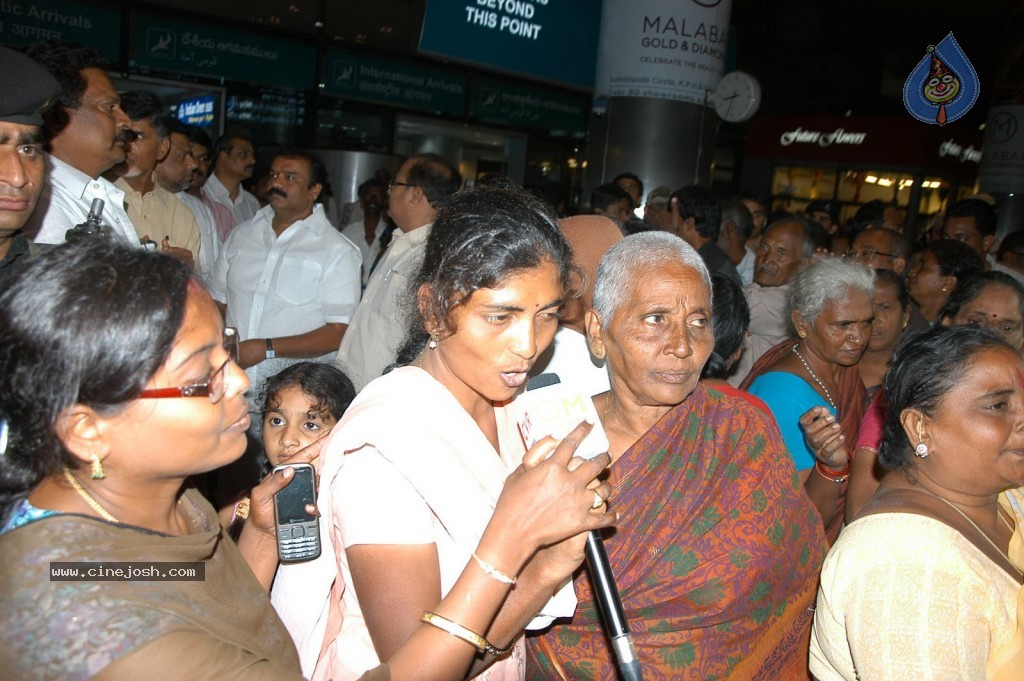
(365, 232)
(288, 279)
(86, 132)
(379, 324)
(233, 162)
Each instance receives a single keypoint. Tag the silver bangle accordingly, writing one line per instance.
(493, 572)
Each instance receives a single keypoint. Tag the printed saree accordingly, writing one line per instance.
(716, 554)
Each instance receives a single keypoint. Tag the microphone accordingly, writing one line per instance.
(549, 407)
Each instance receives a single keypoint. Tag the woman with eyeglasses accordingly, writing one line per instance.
(115, 388)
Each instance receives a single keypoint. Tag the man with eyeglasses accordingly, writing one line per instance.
(377, 327)
(881, 249)
(289, 281)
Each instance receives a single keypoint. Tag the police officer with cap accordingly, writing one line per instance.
(26, 91)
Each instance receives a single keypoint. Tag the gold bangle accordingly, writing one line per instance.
(457, 630)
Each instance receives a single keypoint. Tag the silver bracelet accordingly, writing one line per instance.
(493, 572)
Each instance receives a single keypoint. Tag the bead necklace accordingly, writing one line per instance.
(828, 395)
(982, 532)
(93, 504)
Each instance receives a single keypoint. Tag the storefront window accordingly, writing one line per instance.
(934, 196)
(801, 184)
(861, 186)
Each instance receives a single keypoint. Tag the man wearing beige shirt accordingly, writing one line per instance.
(379, 323)
(786, 247)
(159, 217)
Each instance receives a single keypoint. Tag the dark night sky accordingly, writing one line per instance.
(831, 57)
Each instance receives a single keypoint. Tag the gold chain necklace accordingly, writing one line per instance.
(982, 532)
(828, 395)
(93, 504)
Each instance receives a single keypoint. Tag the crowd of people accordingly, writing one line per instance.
(815, 435)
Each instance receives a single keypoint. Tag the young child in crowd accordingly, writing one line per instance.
(301, 404)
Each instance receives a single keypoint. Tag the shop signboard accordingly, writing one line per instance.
(27, 21)
(163, 44)
(517, 106)
(394, 83)
(1002, 162)
(198, 110)
(554, 40)
(664, 49)
(892, 141)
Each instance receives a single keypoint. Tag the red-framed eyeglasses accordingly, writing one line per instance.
(212, 386)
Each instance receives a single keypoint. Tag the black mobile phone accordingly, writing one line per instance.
(298, 532)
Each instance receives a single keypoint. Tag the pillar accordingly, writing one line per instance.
(658, 61)
(1001, 173)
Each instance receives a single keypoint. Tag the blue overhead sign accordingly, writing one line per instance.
(553, 40)
(198, 111)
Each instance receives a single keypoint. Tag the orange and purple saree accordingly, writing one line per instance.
(716, 555)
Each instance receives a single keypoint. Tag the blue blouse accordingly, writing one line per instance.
(788, 397)
(23, 514)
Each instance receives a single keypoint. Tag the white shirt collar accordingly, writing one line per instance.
(75, 181)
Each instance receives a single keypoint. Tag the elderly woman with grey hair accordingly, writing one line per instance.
(811, 383)
(717, 550)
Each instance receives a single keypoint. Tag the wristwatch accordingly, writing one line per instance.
(270, 349)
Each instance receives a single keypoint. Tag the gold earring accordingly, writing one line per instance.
(802, 334)
(96, 469)
(598, 352)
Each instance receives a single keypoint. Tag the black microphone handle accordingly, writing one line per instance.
(609, 604)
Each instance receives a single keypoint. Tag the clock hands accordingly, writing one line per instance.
(731, 98)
